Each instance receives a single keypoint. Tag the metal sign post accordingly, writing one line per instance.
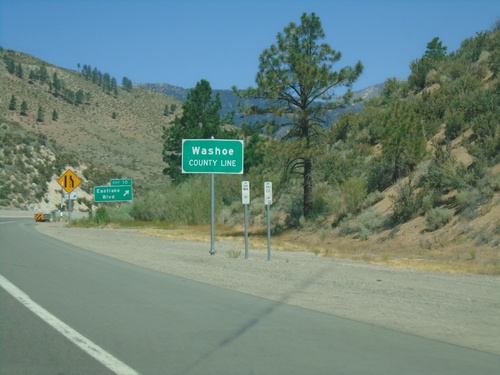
(70, 197)
(69, 181)
(69, 213)
(212, 215)
(245, 199)
(268, 200)
(60, 214)
(221, 156)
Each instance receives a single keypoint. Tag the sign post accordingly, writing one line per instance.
(69, 181)
(222, 156)
(245, 199)
(268, 200)
(212, 214)
(60, 215)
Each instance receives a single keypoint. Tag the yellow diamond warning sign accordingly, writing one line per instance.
(69, 181)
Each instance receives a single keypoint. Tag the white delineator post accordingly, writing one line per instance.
(268, 200)
(245, 199)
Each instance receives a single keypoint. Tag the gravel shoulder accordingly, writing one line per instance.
(454, 308)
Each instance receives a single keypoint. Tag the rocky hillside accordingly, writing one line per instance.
(59, 118)
(54, 118)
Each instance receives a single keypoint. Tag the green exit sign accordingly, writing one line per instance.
(112, 193)
(123, 181)
(212, 156)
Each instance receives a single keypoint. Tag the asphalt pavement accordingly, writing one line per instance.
(155, 323)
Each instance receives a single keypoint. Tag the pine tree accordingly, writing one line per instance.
(19, 71)
(56, 84)
(13, 103)
(200, 120)
(11, 65)
(40, 115)
(296, 74)
(55, 115)
(43, 75)
(87, 71)
(421, 67)
(106, 83)
(24, 108)
(79, 96)
(95, 75)
(127, 84)
(32, 76)
(69, 95)
(403, 142)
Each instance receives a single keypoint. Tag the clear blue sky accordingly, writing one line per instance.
(180, 42)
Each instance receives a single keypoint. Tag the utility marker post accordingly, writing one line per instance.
(69, 181)
(70, 197)
(245, 199)
(60, 215)
(69, 212)
(268, 200)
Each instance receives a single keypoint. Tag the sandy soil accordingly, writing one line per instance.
(454, 308)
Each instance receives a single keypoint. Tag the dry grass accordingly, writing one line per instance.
(449, 249)
(447, 256)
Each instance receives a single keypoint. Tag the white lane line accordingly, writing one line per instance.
(112, 363)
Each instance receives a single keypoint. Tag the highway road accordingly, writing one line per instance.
(66, 310)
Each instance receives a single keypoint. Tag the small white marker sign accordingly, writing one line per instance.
(245, 192)
(73, 195)
(268, 193)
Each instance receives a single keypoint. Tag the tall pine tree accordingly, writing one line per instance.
(200, 119)
(13, 103)
(296, 75)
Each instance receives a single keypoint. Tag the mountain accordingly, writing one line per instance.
(107, 134)
(230, 101)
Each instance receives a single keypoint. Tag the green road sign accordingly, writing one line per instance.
(212, 156)
(123, 182)
(112, 193)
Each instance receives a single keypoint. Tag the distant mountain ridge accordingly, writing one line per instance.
(230, 100)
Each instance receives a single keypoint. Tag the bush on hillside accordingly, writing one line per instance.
(406, 203)
(101, 216)
(437, 218)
